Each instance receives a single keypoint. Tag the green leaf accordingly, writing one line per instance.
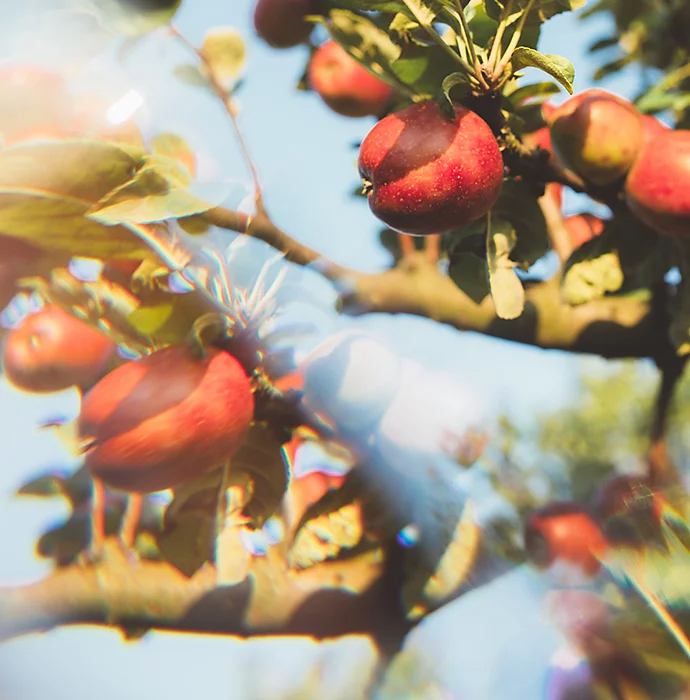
(625, 257)
(134, 19)
(534, 92)
(174, 146)
(592, 279)
(43, 486)
(506, 288)
(46, 188)
(449, 82)
(160, 190)
(422, 68)
(556, 66)
(542, 9)
(519, 206)
(149, 319)
(470, 274)
(261, 457)
(401, 25)
(224, 50)
(192, 75)
(189, 524)
(194, 225)
(364, 41)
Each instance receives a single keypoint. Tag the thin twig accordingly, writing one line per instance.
(558, 234)
(514, 40)
(228, 104)
(470, 45)
(498, 39)
(438, 39)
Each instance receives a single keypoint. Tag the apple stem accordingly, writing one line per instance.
(407, 246)
(131, 519)
(498, 39)
(467, 36)
(438, 39)
(557, 232)
(226, 98)
(433, 247)
(515, 39)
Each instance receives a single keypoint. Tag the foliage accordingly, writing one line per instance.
(403, 507)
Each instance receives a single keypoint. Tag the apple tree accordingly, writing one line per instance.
(119, 276)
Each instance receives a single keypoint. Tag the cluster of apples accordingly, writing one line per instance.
(146, 425)
(424, 173)
(571, 540)
(608, 143)
(626, 511)
(341, 82)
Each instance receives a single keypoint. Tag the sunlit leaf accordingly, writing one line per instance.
(557, 66)
(592, 279)
(224, 50)
(174, 146)
(506, 288)
(47, 187)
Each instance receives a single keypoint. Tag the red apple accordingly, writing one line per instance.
(564, 531)
(597, 134)
(428, 173)
(157, 422)
(583, 227)
(51, 351)
(281, 23)
(344, 85)
(658, 185)
(33, 103)
(629, 509)
(652, 127)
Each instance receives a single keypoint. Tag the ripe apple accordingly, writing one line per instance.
(33, 103)
(583, 227)
(564, 531)
(652, 127)
(629, 509)
(344, 85)
(51, 351)
(153, 423)
(281, 23)
(429, 174)
(597, 134)
(657, 187)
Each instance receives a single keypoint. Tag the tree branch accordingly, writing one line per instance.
(613, 327)
(135, 596)
(661, 469)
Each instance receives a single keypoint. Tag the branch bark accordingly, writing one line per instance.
(327, 600)
(613, 327)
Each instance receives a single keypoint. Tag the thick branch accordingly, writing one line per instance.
(329, 599)
(613, 327)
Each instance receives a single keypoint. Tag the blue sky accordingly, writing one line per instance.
(307, 166)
